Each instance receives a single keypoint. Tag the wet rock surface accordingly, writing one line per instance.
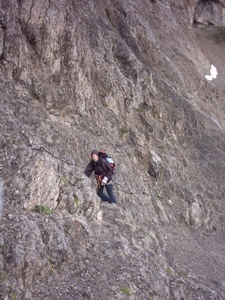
(127, 77)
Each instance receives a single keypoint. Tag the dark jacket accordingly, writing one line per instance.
(101, 167)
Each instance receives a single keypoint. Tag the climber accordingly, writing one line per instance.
(103, 174)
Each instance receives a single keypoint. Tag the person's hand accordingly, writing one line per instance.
(104, 180)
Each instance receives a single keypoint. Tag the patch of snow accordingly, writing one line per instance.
(213, 73)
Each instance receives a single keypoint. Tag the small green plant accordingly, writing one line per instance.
(78, 177)
(168, 271)
(157, 194)
(124, 130)
(3, 277)
(52, 262)
(43, 209)
(150, 298)
(13, 296)
(152, 238)
(64, 180)
(104, 104)
(126, 291)
(183, 273)
(103, 93)
(76, 201)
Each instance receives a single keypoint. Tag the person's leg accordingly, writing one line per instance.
(109, 188)
(102, 195)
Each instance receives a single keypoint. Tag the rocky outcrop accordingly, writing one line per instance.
(210, 13)
(127, 77)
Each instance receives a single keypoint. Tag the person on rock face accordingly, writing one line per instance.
(103, 174)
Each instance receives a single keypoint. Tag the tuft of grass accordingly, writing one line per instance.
(13, 296)
(124, 130)
(76, 201)
(183, 273)
(168, 271)
(3, 277)
(43, 209)
(157, 194)
(152, 238)
(64, 180)
(52, 262)
(126, 291)
(104, 104)
(103, 92)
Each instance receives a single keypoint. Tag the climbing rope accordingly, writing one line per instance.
(41, 149)
(62, 160)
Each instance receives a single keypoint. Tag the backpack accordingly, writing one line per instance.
(108, 158)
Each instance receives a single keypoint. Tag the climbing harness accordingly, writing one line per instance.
(99, 179)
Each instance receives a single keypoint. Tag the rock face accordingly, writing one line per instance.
(128, 77)
(210, 13)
